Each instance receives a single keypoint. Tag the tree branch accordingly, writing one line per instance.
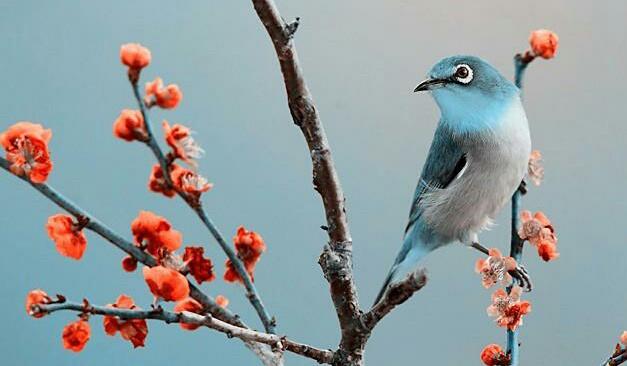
(252, 294)
(230, 330)
(618, 357)
(336, 258)
(109, 235)
(516, 245)
(397, 294)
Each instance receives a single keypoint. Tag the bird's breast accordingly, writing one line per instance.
(497, 162)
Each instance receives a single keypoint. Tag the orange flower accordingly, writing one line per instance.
(130, 126)
(222, 301)
(493, 355)
(157, 182)
(36, 297)
(547, 250)
(535, 170)
(199, 267)
(544, 43)
(165, 97)
(21, 129)
(189, 182)
(155, 232)
(133, 330)
(494, 269)
(539, 231)
(26, 146)
(533, 226)
(249, 245)
(134, 55)
(70, 241)
(192, 306)
(129, 264)
(182, 143)
(75, 335)
(623, 338)
(166, 283)
(508, 309)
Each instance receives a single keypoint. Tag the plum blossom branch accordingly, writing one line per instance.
(543, 44)
(516, 245)
(616, 359)
(230, 330)
(95, 225)
(252, 294)
(620, 352)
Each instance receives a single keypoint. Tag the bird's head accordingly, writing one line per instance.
(468, 90)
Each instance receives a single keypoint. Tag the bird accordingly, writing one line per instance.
(477, 160)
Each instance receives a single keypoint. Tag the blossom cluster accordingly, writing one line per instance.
(26, 147)
(131, 125)
(539, 232)
(249, 246)
(506, 307)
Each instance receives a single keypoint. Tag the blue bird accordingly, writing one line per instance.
(477, 160)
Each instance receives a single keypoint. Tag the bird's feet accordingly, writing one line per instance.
(523, 187)
(521, 276)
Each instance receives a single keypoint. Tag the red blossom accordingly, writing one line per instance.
(535, 170)
(222, 301)
(544, 43)
(134, 55)
(183, 145)
(189, 182)
(539, 231)
(166, 283)
(130, 126)
(36, 297)
(26, 146)
(157, 182)
(249, 245)
(192, 306)
(494, 269)
(508, 309)
(493, 355)
(70, 241)
(199, 267)
(75, 335)
(129, 264)
(155, 232)
(167, 97)
(133, 330)
(547, 250)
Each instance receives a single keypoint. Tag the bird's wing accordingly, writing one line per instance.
(445, 163)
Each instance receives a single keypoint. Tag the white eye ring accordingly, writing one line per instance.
(461, 76)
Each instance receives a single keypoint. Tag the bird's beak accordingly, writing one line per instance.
(430, 84)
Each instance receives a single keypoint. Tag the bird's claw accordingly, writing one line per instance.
(522, 277)
(522, 187)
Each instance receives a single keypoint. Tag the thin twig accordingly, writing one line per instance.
(516, 245)
(252, 294)
(397, 294)
(336, 259)
(245, 334)
(618, 357)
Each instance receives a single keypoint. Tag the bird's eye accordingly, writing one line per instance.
(463, 74)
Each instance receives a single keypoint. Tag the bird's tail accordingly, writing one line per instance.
(406, 261)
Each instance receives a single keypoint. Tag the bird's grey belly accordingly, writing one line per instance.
(470, 203)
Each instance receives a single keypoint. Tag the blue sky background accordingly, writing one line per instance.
(60, 67)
